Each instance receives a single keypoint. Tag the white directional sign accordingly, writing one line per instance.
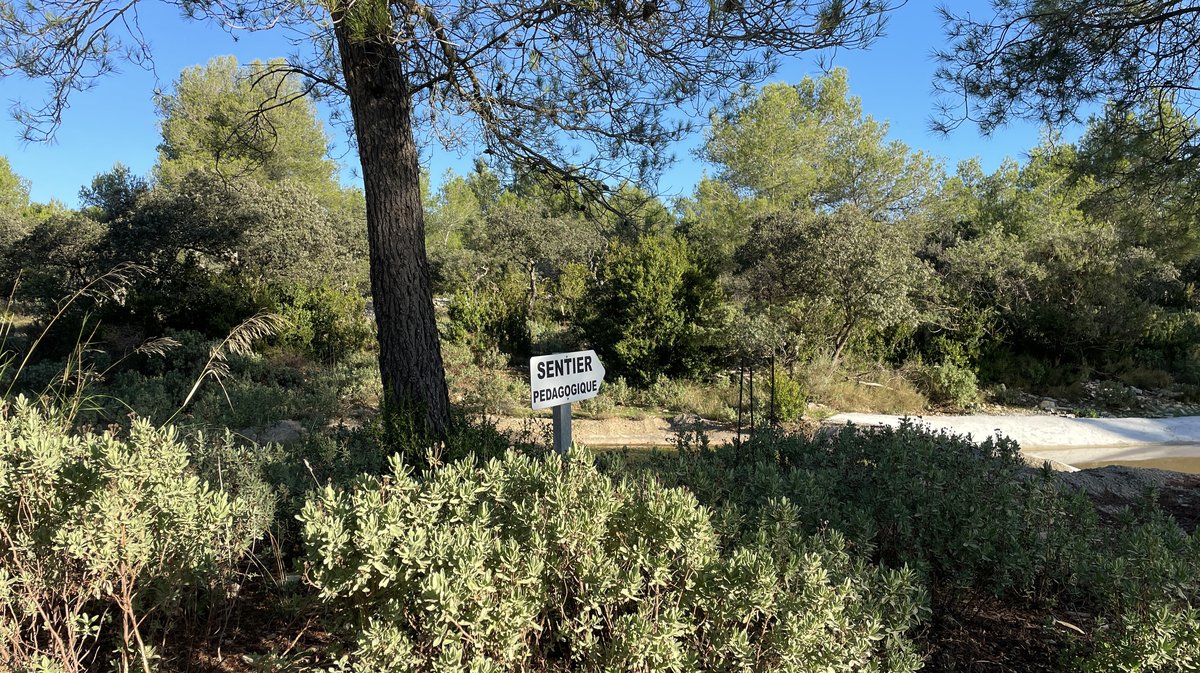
(563, 378)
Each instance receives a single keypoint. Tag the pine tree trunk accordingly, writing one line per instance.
(410, 357)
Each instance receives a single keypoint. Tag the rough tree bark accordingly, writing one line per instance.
(410, 357)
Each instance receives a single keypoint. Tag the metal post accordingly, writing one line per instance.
(562, 428)
(773, 419)
(741, 383)
(752, 399)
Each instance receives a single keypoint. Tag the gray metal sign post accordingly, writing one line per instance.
(562, 428)
(555, 381)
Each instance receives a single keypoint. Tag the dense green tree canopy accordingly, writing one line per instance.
(653, 310)
(518, 77)
(113, 193)
(14, 190)
(806, 147)
(14, 197)
(841, 274)
(271, 233)
(55, 257)
(810, 147)
(1145, 185)
(526, 233)
(1045, 273)
(1045, 59)
(453, 223)
(243, 121)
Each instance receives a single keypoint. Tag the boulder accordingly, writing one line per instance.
(283, 432)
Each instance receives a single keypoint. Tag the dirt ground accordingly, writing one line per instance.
(624, 431)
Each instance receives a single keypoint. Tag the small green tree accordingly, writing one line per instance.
(12, 228)
(220, 250)
(716, 220)
(453, 221)
(630, 212)
(842, 274)
(113, 193)
(653, 309)
(1147, 177)
(57, 256)
(528, 235)
(1046, 276)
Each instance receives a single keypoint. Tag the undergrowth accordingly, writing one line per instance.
(969, 516)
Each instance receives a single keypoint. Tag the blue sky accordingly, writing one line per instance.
(116, 121)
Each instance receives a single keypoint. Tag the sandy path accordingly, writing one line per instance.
(1059, 439)
(648, 431)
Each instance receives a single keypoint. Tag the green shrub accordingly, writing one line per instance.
(619, 390)
(1145, 586)
(489, 319)
(323, 322)
(599, 406)
(243, 402)
(103, 538)
(971, 517)
(947, 383)
(544, 564)
(255, 392)
(791, 400)
(1173, 335)
(546, 336)
(1020, 371)
(960, 510)
(482, 383)
(665, 393)
(358, 381)
(1115, 395)
(655, 310)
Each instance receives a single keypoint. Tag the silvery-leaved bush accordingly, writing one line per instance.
(548, 564)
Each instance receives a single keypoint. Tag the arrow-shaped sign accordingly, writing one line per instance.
(563, 378)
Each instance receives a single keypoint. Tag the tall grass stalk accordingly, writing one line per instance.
(111, 284)
(240, 341)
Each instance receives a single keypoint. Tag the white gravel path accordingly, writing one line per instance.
(1063, 439)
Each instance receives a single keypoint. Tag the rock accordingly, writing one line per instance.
(1035, 464)
(1047, 404)
(1114, 487)
(686, 417)
(283, 432)
(1117, 481)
